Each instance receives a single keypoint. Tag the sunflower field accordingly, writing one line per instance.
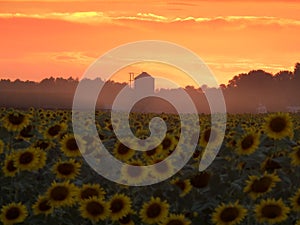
(255, 178)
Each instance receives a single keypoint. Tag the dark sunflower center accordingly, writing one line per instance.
(271, 211)
(229, 214)
(262, 185)
(10, 166)
(298, 153)
(180, 184)
(27, 132)
(166, 143)
(123, 149)
(44, 206)
(175, 222)
(153, 210)
(206, 135)
(196, 154)
(12, 213)
(247, 142)
(72, 145)
(151, 152)
(94, 208)
(16, 119)
(66, 168)
(54, 130)
(233, 143)
(26, 158)
(200, 180)
(88, 192)
(116, 205)
(110, 127)
(272, 165)
(59, 193)
(210, 135)
(298, 201)
(278, 124)
(42, 145)
(125, 220)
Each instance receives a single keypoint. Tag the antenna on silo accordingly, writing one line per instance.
(131, 79)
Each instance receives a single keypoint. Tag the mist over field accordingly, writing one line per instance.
(244, 93)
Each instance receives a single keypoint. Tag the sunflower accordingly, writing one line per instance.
(162, 168)
(278, 126)
(270, 165)
(176, 219)
(26, 133)
(295, 201)
(16, 121)
(259, 185)
(134, 172)
(271, 211)
(61, 194)
(122, 152)
(168, 144)
(248, 143)
(43, 144)
(184, 185)
(154, 211)
(295, 156)
(42, 206)
(72, 146)
(229, 214)
(94, 209)
(66, 169)
(27, 159)
(153, 153)
(120, 206)
(90, 190)
(142, 134)
(200, 180)
(9, 168)
(196, 155)
(209, 135)
(55, 130)
(13, 213)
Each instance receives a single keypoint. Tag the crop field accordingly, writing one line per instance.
(44, 179)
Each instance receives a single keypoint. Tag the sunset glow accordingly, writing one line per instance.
(61, 39)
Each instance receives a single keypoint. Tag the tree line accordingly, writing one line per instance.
(244, 93)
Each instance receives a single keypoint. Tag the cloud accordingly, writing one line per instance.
(79, 17)
(71, 57)
(95, 17)
(247, 20)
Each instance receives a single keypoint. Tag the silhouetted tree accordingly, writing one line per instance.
(297, 70)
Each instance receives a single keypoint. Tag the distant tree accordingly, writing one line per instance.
(5, 83)
(222, 86)
(48, 82)
(297, 71)
(284, 75)
(232, 82)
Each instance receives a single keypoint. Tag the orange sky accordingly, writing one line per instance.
(50, 38)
